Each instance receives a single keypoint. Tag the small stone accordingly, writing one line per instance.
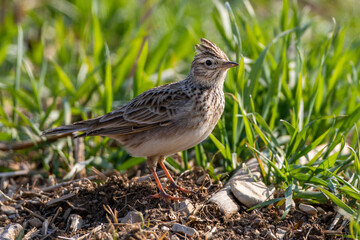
(164, 228)
(67, 213)
(132, 217)
(201, 179)
(320, 210)
(308, 209)
(151, 236)
(75, 222)
(186, 207)
(280, 233)
(172, 215)
(251, 193)
(188, 231)
(225, 198)
(209, 234)
(8, 210)
(256, 222)
(11, 232)
(174, 237)
(225, 201)
(3, 217)
(243, 174)
(35, 222)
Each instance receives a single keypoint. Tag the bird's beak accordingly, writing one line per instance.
(230, 64)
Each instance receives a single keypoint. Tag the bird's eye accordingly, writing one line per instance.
(208, 63)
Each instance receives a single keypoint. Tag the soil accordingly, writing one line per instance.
(46, 210)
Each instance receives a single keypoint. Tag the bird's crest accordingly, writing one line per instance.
(207, 47)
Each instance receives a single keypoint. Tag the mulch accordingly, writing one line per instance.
(46, 209)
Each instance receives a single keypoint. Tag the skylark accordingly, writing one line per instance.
(166, 119)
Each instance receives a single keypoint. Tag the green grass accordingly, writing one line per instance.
(296, 88)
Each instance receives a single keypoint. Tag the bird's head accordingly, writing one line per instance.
(210, 64)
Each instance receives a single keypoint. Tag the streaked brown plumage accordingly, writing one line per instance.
(169, 118)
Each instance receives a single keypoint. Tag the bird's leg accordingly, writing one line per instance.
(172, 182)
(162, 194)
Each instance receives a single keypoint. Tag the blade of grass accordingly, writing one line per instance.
(108, 94)
(336, 200)
(19, 58)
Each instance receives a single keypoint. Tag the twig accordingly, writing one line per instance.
(335, 221)
(308, 233)
(14, 174)
(29, 143)
(111, 212)
(34, 214)
(76, 208)
(62, 198)
(95, 230)
(31, 234)
(332, 232)
(98, 173)
(51, 188)
(91, 178)
(6, 196)
(58, 211)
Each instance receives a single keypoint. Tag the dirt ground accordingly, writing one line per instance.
(47, 209)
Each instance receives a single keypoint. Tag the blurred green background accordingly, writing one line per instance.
(296, 89)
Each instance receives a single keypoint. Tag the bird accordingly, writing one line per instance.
(166, 119)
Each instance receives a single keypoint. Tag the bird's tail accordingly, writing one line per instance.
(81, 126)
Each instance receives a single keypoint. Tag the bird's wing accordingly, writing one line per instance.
(154, 108)
(158, 107)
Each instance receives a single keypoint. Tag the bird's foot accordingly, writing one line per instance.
(175, 187)
(167, 198)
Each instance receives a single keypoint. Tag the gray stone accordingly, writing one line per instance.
(225, 201)
(132, 217)
(12, 216)
(186, 207)
(251, 193)
(11, 232)
(202, 178)
(174, 237)
(35, 222)
(250, 171)
(246, 176)
(308, 209)
(188, 231)
(280, 233)
(320, 210)
(8, 210)
(75, 222)
(164, 228)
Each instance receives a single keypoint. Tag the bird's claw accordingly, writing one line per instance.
(167, 198)
(175, 187)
